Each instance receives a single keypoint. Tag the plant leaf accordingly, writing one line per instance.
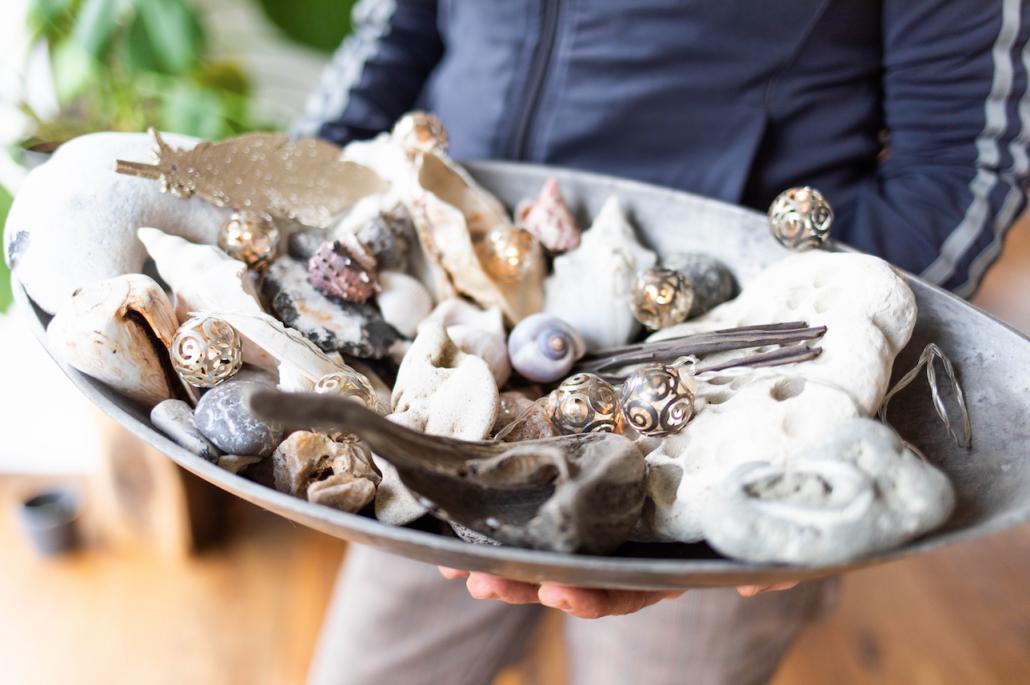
(95, 26)
(175, 34)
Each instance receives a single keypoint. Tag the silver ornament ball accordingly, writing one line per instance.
(350, 383)
(656, 400)
(584, 403)
(206, 351)
(661, 297)
(800, 218)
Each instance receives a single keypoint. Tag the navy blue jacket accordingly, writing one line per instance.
(911, 116)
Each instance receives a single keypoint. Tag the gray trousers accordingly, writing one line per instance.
(394, 621)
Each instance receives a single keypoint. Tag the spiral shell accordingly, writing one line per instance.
(206, 351)
(656, 400)
(349, 383)
(338, 271)
(585, 403)
(800, 218)
(543, 348)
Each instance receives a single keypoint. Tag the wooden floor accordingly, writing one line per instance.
(250, 612)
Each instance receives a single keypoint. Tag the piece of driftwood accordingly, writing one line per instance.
(573, 493)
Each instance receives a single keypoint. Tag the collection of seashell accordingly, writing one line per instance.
(412, 314)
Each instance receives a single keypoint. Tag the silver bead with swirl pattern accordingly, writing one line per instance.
(661, 297)
(656, 400)
(584, 403)
(206, 351)
(350, 383)
(252, 239)
(800, 218)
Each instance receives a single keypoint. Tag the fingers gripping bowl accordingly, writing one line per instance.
(988, 480)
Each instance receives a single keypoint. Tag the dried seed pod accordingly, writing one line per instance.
(206, 351)
(338, 271)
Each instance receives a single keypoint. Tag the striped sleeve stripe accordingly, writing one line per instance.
(987, 148)
(1016, 198)
(329, 101)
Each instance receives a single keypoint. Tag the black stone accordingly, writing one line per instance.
(357, 330)
(713, 281)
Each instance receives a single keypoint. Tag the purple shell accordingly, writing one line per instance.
(336, 271)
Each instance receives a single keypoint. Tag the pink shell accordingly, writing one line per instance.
(336, 271)
(549, 219)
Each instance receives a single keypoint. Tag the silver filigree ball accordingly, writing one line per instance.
(206, 351)
(656, 400)
(584, 403)
(800, 218)
(661, 297)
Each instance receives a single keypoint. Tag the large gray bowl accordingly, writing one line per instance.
(992, 479)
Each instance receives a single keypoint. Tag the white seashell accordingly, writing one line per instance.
(74, 220)
(476, 331)
(591, 286)
(118, 331)
(489, 347)
(403, 301)
(452, 214)
(771, 414)
(203, 278)
(442, 391)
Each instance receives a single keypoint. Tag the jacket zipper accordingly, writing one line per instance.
(537, 77)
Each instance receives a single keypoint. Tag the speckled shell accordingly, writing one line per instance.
(549, 218)
(337, 271)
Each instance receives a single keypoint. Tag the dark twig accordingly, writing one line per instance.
(610, 362)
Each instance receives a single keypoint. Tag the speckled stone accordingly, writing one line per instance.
(224, 418)
(303, 244)
(175, 419)
(713, 281)
(357, 330)
(388, 235)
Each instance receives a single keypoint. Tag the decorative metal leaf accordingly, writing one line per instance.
(264, 173)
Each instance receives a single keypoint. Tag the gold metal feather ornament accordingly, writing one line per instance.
(263, 173)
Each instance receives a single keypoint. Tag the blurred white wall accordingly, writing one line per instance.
(46, 426)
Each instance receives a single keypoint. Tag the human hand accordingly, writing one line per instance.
(575, 601)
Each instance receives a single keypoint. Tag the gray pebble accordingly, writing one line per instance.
(713, 281)
(225, 419)
(387, 236)
(357, 330)
(303, 244)
(175, 419)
